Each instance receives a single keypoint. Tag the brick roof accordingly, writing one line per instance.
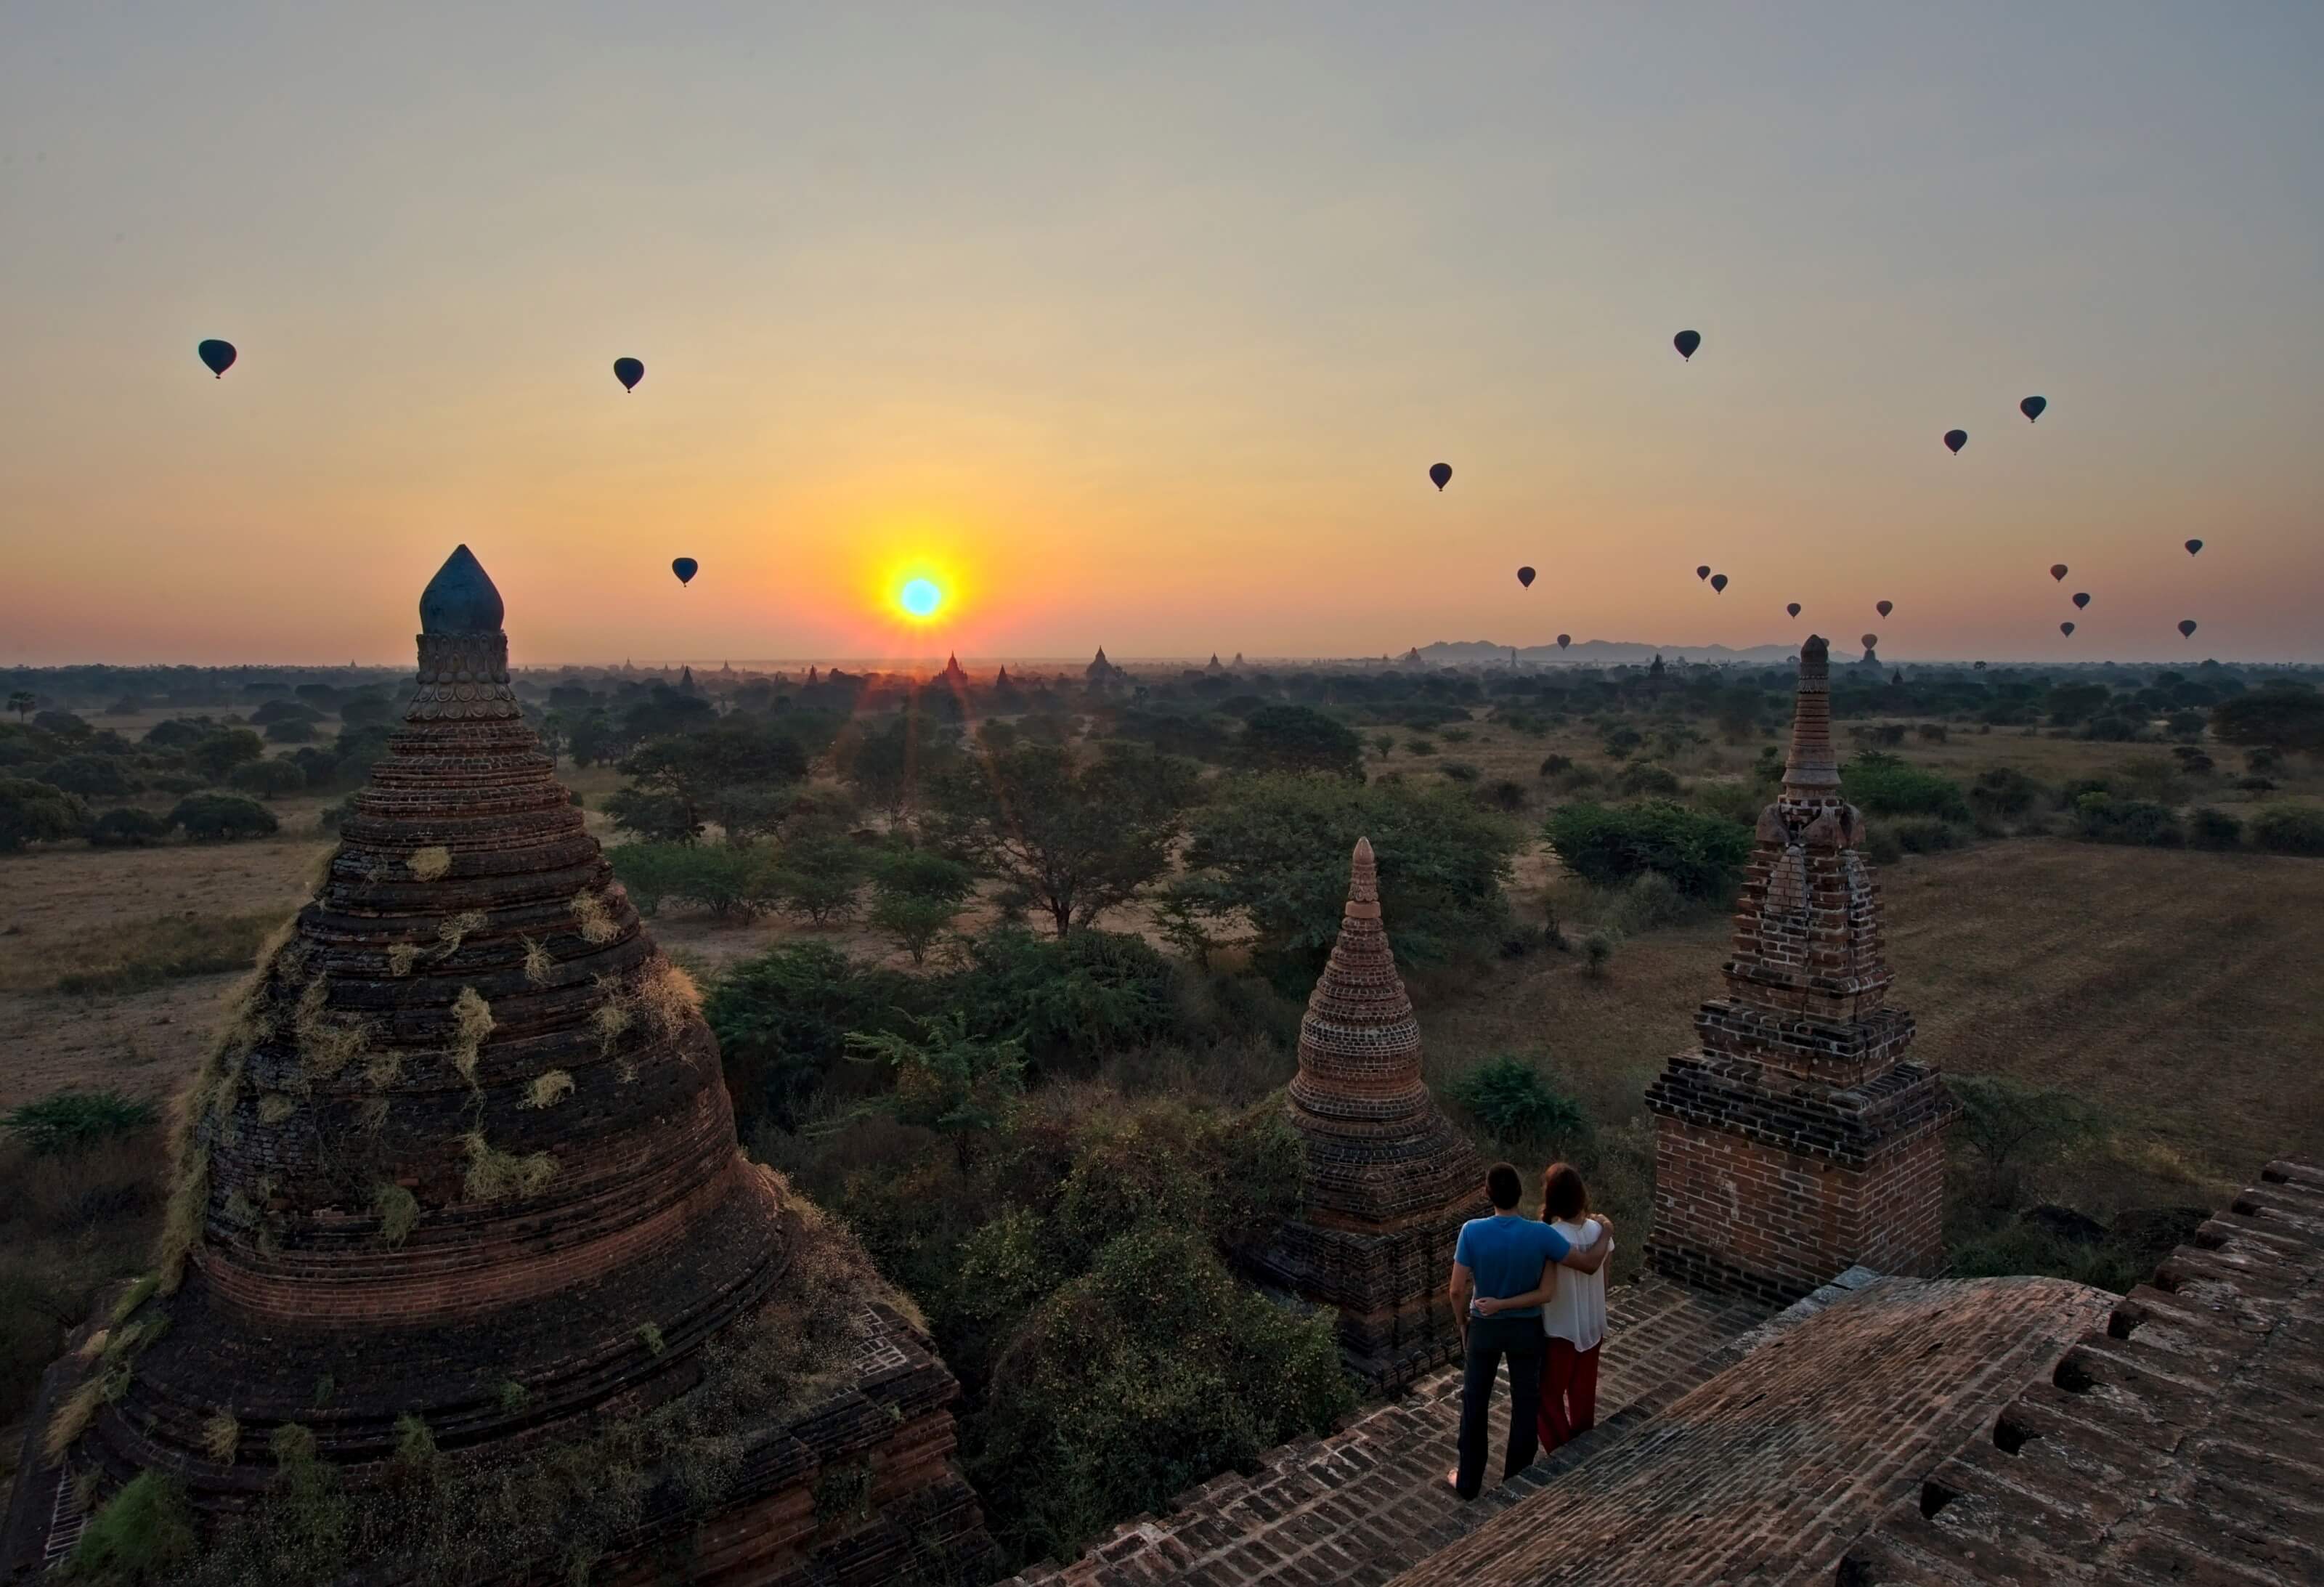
(2181, 1441)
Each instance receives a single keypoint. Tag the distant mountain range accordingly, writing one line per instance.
(1600, 652)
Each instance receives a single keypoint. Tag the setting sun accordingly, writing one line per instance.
(920, 598)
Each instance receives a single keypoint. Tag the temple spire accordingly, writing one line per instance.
(461, 598)
(1811, 775)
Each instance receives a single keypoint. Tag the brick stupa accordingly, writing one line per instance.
(1388, 1181)
(463, 1160)
(1799, 1139)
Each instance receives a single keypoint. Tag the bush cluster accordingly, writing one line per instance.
(1702, 855)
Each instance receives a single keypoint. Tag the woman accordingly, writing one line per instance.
(1573, 1312)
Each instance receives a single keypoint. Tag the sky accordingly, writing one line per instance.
(1141, 326)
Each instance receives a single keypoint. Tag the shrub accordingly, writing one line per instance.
(290, 732)
(2103, 818)
(1507, 794)
(2011, 1126)
(916, 894)
(2214, 829)
(1646, 778)
(92, 776)
(268, 779)
(70, 1121)
(1597, 954)
(1420, 746)
(1460, 770)
(2004, 790)
(1926, 834)
(140, 1534)
(2290, 830)
(127, 829)
(1880, 845)
(37, 812)
(1609, 845)
(782, 1022)
(1883, 785)
(1648, 902)
(1509, 1097)
(650, 871)
(1092, 993)
(222, 817)
(818, 872)
(1556, 765)
(1299, 738)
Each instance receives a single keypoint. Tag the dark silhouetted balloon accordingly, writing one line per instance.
(219, 355)
(1686, 342)
(1955, 439)
(685, 567)
(1980, 666)
(1524, 577)
(1794, 608)
(1564, 640)
(1440, 473)
(1871, 640)
(2187, 629)
(2058, 571)
(1703, 571)
(2081, 601)
(1719, 581)
(2066, 629)
(1884, 607)
(629, 372)
(2032, 408)
(2192, 546)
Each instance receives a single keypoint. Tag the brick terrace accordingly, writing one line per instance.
(1362, 1505)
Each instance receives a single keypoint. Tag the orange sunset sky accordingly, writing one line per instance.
(1141, 326)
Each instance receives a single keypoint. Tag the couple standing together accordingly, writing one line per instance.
(1512, 1301)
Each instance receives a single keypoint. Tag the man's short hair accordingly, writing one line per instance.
(1502, 1183)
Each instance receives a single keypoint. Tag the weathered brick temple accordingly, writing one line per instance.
(1799, 1139)
(1387, 1181)
(461, 1170)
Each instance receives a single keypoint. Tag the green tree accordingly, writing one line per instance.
(1608, 844)
(782, 1021)
(960, 1086)
(695, 768)
(222, 817)
(267, 779)
(1299, 738)
(1274, 851)
(218, 752)
(22, 702)
(916, 895)
(2280, 716)
(37, 812)
(819, 870)
(1075, 837)
(888, 766)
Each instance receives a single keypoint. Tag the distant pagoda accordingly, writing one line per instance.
(461, 1166)
(1387, 1181)
(1799, 1139)
(953, 673)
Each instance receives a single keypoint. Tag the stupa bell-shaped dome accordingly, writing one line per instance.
(461, 598)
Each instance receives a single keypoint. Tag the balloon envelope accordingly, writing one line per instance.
(1686, 342)
(1440, 473)
(2066, 629)
(2082, 600)
(1719, 581)
(2187, 629)
(1524, 577)
(219, 355)
(2193, 546)
(629, 372)
(2032, 408)
(1794, 608)
(1703, 571)
(2058, 571)
(1955, 439)
(1884, 607)
(1871, 640)
(1564, 640)
(685, 567)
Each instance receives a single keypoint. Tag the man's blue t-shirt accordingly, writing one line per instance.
(1506, 1255)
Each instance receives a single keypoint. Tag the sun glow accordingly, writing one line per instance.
(920, 598)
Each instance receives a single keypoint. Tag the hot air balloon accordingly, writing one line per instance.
(1564, 640)
(2192, 546)
(1870, 640)
(1955, 439)
(219, 355)
(2187, 629)
(2082, 600)
(1440, 473)
(1524, 577)
(629, 372)
(2066, 629)
(1794, 608)
(2032, 408)
(1703, 571)
(1884, 607)
(1686, 342)
(685, 567)
(1719, 581)
(2058, 571)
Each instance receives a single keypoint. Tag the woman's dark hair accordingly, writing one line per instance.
(1502, 1183)
(1563, 1193)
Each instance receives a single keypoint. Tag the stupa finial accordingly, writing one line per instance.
(1812, 773)
(1364, 883)
(461, 598)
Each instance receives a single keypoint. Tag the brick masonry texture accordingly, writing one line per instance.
(1769, 1469)
(1367, 1501)
(2181, 1441)
(1797, 1140)
(1386, 1180)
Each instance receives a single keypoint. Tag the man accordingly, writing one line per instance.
(1502, 1256)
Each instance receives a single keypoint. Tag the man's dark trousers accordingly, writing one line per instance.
(1489, 1339)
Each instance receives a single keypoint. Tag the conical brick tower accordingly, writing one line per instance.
(1799, 1139)
(1388, 1181)
(463, 1160)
